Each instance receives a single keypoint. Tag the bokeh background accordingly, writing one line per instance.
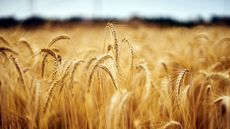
(120, 9)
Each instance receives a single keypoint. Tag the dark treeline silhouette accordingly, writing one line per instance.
(160, 21)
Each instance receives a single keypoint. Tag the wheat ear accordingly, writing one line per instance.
(50, 52)
(90, 62)
(50, 94)
(131, 51)
(112, 28)
(27, 45)
(179, 80)
(107, 70)
(18, 69)
(60, 37)
(148, 78)
(5, 49)
(99, 61)
(76, 63)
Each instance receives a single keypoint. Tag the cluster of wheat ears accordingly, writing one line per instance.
(178, 81)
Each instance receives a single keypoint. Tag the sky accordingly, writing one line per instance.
(179, 9)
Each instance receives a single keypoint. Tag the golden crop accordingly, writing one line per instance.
(91, 76)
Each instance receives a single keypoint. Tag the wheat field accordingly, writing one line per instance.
(115, 76)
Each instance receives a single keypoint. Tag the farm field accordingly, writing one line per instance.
(115, 76)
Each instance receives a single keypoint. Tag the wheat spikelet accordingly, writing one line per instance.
(5, 41)
(171, 124)
(99, 61)
(110, 74)
(23, 41)
(18, 70)
(57, 39)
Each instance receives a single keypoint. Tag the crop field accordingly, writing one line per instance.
(115, 76)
